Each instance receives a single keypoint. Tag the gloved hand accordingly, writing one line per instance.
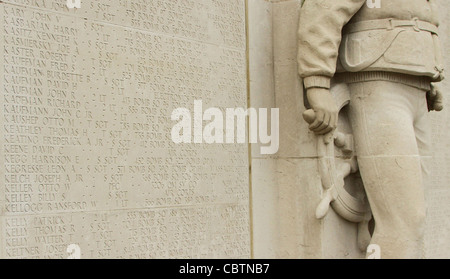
(435, 99)
(326, 111)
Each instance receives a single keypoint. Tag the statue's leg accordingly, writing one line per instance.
(423, 132)
(383, 116)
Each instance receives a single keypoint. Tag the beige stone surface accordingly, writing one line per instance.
(266, 209)
(87, 157)
(300, 234)
(261, 69)
(298, 144)
(285, 192)
(294, 141)
(437, 242)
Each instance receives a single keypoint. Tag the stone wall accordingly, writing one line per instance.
(286, 188)
(87, 158)
(437, 243)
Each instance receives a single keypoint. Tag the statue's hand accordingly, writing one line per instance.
(326, 111)
(435, 99)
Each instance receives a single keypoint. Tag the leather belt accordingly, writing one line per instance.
(390, 24)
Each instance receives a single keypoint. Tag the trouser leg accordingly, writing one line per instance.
(383, 116)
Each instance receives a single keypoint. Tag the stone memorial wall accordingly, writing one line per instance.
(87, 161)
(288, 184)
(437, 244)
(88, 168)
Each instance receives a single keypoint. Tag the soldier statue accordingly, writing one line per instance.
(389, 56)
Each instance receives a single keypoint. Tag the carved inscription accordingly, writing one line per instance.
(217, 21)
(88, 158)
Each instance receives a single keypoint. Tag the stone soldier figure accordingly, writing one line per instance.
(389, 56)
